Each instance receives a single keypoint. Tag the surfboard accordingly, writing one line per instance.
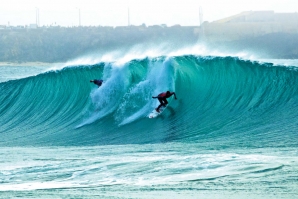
(154, 113)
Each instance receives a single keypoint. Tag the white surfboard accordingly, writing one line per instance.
(154, 113)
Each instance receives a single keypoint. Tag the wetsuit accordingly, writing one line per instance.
(162, 98)
(97, 82)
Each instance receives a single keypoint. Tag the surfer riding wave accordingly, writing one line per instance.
(98, 82)
(162, 98)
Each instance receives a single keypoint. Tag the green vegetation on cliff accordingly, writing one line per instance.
(56, 44)
(59, 44)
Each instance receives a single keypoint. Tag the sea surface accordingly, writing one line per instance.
(232, 132)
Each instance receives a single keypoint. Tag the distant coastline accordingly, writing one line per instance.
(59, 44)
(26, 64)
(268, 34)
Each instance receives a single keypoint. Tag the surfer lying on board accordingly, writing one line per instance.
(98, 82)
(162, 98)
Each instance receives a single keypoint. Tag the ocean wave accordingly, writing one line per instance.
(239, 102)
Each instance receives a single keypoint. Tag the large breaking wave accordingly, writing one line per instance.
(227, 99)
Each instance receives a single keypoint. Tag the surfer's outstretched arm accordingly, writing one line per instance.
(154, 97)
(173, 93)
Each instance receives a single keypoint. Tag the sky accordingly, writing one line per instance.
(115, 12)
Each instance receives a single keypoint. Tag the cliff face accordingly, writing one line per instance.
(250, 24)
(271, 35)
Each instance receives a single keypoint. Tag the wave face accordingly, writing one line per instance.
(222, 102)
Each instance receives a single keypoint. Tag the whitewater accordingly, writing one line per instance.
(232, 132)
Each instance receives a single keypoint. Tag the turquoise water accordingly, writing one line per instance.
(232, 133)
(169, 170)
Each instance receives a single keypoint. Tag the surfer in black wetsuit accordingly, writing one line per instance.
(98, 82)
(162, 98)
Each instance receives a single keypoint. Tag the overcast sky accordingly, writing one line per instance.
(115, 12)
